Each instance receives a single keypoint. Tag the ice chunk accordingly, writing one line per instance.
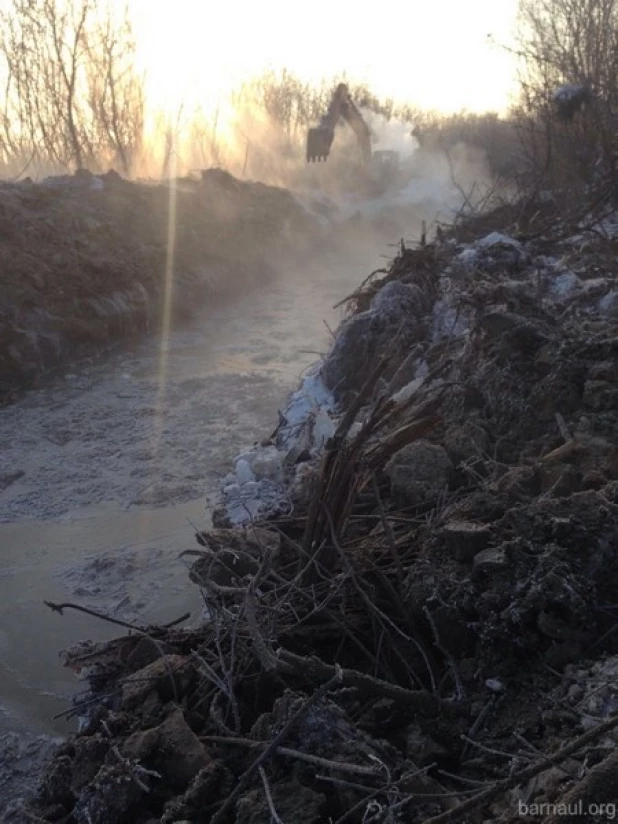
(467, 258)
(267, 464)
(313, 393)
(312, 396)
(408, 390)
(494, 238)
(422, 370)
(564, 284)
(448, 320)
(323, 428)
(244, 474)
(609, 303)
(594, 283)
(395, 297)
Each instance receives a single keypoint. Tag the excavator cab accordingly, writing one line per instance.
(319, 141)
(387, 157)
(384, 171)
(386, 160)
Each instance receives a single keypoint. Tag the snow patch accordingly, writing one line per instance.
(258, 484)
(408, 390)
(564, 285)
(609, 303)
(592, 284)
(448, 321)
(467, 258)
(244, 472)
(312, 395)
(495, 238)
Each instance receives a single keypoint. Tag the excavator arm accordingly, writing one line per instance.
(320, 138)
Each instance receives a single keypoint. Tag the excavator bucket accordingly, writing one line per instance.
(319, 141)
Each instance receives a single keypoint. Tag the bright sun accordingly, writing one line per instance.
(436, 55)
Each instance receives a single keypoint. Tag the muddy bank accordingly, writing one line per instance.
(414, 618)
(89, 260)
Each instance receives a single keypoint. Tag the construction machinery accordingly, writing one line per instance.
(387, 161)
(380, 171)
(320, 138)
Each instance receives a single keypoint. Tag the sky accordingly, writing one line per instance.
(434, 55)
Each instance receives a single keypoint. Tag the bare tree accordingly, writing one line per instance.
(568, 51)
(72, 93)
(116, 90)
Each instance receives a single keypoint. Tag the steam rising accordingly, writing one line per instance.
(431, 186)
(391, 135)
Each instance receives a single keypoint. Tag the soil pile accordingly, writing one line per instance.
(84, 258)
(425, 630)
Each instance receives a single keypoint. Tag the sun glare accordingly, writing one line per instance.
(434, 55)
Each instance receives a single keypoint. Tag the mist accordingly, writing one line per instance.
(431, 187)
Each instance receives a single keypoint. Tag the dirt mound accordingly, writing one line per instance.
(84, 258)
(422, 629)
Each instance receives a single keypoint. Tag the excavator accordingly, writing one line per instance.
(383, 164)
(320, 138)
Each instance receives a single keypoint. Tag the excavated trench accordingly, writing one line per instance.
(108, 467)
(104, 474)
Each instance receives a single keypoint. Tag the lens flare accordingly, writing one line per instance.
(168, 297)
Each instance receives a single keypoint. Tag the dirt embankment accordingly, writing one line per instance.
(84, 259)
(420, 628)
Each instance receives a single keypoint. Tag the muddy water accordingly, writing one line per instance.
(107, 473)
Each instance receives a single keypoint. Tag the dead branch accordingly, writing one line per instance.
(525, 774)
(245, 778)
(146, 630)
(316, 670)
(316, 760)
